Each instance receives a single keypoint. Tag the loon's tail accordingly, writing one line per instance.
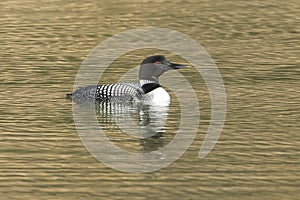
(69, 96)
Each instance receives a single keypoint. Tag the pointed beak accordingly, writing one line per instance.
(177, 66)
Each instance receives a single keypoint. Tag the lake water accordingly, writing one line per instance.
(256, 47)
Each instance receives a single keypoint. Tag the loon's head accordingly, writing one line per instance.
(154, 66)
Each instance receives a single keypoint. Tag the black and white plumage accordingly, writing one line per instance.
(112, 92)
(148, 90)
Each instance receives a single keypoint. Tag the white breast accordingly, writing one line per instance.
(159, 96)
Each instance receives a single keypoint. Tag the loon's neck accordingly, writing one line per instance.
(149, 85)
(155, 93)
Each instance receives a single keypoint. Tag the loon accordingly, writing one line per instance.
(148, 90)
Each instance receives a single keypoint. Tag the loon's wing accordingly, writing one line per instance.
(109, 92)
(119, 92)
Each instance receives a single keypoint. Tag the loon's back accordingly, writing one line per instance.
(109, 92)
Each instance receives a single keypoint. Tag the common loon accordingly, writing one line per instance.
(148, 90)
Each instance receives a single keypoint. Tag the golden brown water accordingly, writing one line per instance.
(256, 47)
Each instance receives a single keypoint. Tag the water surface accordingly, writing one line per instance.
(256, 47)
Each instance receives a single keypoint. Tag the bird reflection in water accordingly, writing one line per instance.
(136, 121)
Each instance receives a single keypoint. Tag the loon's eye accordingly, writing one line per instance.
(157, 62)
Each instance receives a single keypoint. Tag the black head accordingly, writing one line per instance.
(154, 66)
(153, 59)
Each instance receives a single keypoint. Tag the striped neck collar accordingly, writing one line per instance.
(144, 81)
